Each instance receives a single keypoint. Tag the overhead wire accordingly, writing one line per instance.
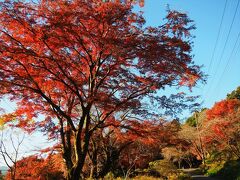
(224, 47)
(218, 35)
(216, 43)
(229, 60)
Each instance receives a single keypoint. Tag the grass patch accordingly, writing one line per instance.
(229, 170)
(214, 168)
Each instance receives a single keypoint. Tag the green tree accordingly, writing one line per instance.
(235, 94)
(192, 121)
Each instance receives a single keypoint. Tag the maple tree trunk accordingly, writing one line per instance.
(75, 173)
(13, 172)
(93, 173)
(111, 159)
(75, 152)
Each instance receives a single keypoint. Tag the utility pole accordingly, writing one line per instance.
(199, 136)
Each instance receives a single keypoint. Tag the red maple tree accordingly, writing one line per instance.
(222, 126)
(35, 167)
(80, 62)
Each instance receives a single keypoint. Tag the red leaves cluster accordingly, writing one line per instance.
(221, 127)
(35, 167)
(223, 108)
(147, 145)
(56, 49)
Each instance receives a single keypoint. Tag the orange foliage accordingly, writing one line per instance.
(34, 167)
(221, 128)
(223, 108)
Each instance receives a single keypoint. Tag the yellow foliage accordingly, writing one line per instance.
(146, 178)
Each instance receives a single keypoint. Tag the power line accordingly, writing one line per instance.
(229, 59)
(225, 44)
(218, 35)
(216, 42)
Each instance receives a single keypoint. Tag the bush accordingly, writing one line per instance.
(230, 170)
(146, 178)
(183, 176)
(109, 176)
(162, 167)
(180, 176)
(159, 170)
(225, 170)
(214, 168)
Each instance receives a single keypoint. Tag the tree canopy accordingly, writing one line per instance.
(86, 65)
(235, 94)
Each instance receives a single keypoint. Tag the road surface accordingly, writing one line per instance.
(194, 173)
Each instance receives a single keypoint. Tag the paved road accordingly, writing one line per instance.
(196, 175)
(202, 177)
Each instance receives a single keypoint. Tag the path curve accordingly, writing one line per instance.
(194, 173)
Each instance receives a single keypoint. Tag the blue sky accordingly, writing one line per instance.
(224, 71)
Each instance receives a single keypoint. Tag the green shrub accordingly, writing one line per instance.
(162, 167)
(230, 170)
(109, 176)
(183, 176)
(214, 168)
(146, 178)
